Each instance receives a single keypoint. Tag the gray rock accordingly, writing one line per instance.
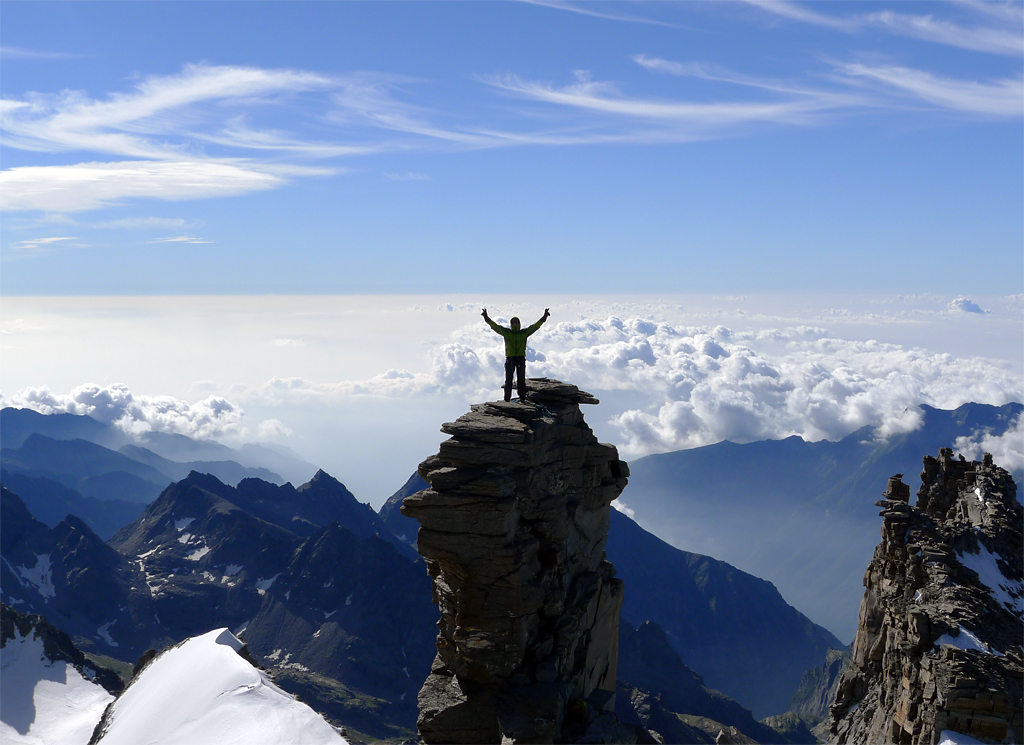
(938, 643)
(513, 529)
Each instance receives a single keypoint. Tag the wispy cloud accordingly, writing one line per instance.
(23, 53)
(37, 242)
(679, 119)
(590, 10)
(158, 131)
(1004, 38)
(407, 176)
(1001, 98)
(1007, 41)
(180, 239)
(86, 186)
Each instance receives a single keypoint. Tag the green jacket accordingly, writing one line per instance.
(515, 341)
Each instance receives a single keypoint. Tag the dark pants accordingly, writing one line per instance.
(517, 364)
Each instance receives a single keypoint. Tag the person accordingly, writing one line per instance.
(515, 351)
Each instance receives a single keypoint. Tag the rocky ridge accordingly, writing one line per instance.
(512, 530)
(939, 629)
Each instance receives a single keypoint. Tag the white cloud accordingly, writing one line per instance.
(698, 385)
(86, 186)
(33, 243)
(180, 239)
(1007, 449)
(652, 120)
(998, 98)
(589, 10)
(965, 305)
(213, 417)
(689, 386)
(1004, 38)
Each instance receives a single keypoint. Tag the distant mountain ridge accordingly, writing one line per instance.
(797, 513)
(729, 626)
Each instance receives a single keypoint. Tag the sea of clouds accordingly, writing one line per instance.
(666, 386)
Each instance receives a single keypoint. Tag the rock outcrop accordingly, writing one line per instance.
(512, 530)
(939, 631)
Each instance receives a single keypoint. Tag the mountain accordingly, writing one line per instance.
(938, 648)
(226, 470)
(256, 460)
(206, 560)
(17, 424)
(354, 609)
(50, 692)
(731, 627)
(650, 669)
(74, 579)
(277, 458)
(204, 690)
(71, 462)
(310, 577)
(391, 511)
(50, 502)
(796, 513)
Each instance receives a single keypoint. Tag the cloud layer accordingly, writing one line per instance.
(211, 418)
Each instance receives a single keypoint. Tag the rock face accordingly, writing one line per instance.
(512, 530)
(940, 625)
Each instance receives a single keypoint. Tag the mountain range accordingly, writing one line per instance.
(799, 514)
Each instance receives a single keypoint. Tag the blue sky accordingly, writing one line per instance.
(278, 221)
(349, 148)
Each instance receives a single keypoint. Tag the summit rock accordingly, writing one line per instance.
(512, 530)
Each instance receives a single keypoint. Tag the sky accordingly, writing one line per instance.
(279, 221)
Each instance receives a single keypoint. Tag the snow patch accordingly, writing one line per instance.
(202, 691)
(328, 583)
(966, 641)
(45, 702)
(103, 632)
(328, 615)
(180, 525)
(198, 554)
(949, 737)
(1006, 592)
(148, 554)
(40, 576)
(262, 585)
(273, 656)
(185, 538)
(232, 569)
(348, 600)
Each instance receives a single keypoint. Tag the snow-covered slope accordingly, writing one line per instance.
(44, 701)
(202, 692)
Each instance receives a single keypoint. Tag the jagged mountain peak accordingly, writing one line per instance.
(940, 623)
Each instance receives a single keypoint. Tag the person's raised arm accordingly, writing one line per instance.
(492, 324)
(530, 329)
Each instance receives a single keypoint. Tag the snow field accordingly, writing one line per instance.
(44, 702)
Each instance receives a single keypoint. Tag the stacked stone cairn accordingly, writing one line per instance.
(512, 530)
(938, 643)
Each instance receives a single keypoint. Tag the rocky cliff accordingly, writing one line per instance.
(939, 631)
(512, 530)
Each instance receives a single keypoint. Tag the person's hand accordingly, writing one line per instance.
(484, 313)
(547, 312)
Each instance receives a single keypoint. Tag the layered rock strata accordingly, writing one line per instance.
(512, 530)
(938, 643)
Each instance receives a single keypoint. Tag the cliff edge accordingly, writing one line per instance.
(512, 530)
(938, 645)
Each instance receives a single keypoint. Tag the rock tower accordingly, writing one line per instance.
(938, 643)
(512, 530)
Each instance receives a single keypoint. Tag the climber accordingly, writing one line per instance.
(515, 351)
